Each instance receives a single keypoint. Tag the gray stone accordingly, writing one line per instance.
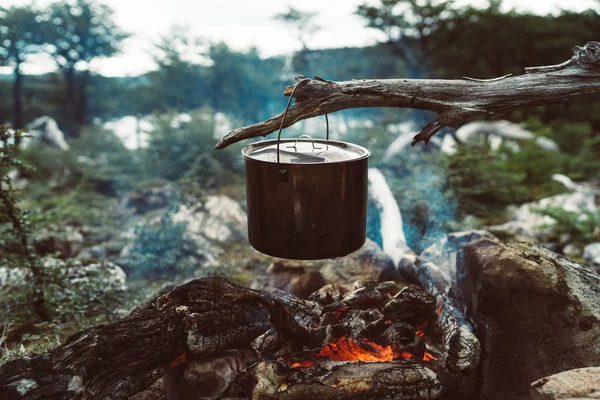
(65, 241)
(444, 253)
(591, 253)
(295, 277)
(581, 383)
(571, 250)
(369, 263)
(538, 314)
(218, 218)
(528, 224)
(150, 197)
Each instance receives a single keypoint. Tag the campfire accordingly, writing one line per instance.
(374, 342)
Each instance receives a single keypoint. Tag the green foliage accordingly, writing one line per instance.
(161, 248)
(579, 144)
(583, 227)
(15, 225)
(410, 27)
(484, 182)
(174, 145)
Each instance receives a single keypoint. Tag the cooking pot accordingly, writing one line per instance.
(307, 199)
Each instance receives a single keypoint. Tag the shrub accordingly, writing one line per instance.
(160, 248)
(582, 227)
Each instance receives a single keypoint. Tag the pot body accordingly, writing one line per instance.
(307, 211)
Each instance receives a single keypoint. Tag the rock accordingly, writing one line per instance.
(294, 277)
(571, 250)
(45, 129)
(527, 224)
(369, 263)
(218, 218)
(494, 131)
(152, 196)
(545, 143)
(576, 384)
(591, 253)
(104, 277)
(65, 240)
(110, 250)
(538, 313)
(444, 253)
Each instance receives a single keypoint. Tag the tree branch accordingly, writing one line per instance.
(455, 101)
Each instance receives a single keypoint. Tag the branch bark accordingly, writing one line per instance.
(455, 101)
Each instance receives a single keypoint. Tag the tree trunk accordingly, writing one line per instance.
(17, 114)
(72, 101)
(455, 101)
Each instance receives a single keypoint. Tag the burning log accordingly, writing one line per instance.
(120, 359)
(365, 345)
(461, 346)
(455, 101)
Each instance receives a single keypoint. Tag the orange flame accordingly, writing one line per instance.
(347, 349)
(421, 330)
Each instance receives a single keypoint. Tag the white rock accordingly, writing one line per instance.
(571, 250)
(219, 219)
(546, 144)
(45, 129)
(497, 132)
(591, 253)
(528, 223)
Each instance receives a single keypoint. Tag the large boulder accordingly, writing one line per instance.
(65, 241)
(538, 314)
(87, 283)
(218, 218)
(576, 384)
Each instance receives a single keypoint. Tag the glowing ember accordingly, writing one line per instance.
(421, 331)
(347, 349)
(180, 359)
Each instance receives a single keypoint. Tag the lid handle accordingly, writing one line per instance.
(295, 145)
(285, 114)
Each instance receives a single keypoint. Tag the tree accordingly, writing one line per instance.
(20, 36)
(303, 28)
(79, 31)
(410, 26)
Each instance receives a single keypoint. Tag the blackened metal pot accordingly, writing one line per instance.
(307, 199)
(312, 204)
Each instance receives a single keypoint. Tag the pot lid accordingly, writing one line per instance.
(293, 151)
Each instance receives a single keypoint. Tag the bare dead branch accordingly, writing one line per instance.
(455, 101)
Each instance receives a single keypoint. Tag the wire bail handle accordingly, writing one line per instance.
(285, 114)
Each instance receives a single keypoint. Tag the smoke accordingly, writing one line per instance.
(417, 180)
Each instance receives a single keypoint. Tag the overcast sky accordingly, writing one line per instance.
(244, 23)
